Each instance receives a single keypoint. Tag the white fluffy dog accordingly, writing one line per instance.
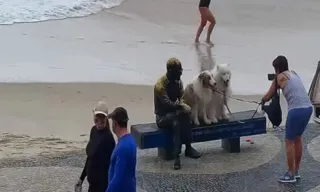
(222, 76)
(198, 94)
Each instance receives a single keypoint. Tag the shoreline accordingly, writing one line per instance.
(131, 54)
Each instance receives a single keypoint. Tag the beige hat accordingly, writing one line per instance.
(101, 108)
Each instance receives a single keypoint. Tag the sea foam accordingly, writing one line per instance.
(23, 11)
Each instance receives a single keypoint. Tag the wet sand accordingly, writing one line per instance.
(130, 43)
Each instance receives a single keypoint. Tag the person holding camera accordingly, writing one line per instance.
(172, 112)
(99, 149)
(299, 113)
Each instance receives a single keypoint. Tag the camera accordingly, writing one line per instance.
(271, 76)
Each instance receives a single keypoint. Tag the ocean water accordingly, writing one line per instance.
(17, 11)
(130, 43)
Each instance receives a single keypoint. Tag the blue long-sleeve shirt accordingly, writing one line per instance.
(122, 171)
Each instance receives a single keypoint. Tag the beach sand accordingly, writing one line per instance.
(68, 62)
(130, 44)
(48, 118)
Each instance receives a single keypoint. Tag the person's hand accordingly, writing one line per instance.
(264, 99)
(185, 107)
(78, 186)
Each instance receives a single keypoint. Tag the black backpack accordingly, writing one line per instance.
(273, 110)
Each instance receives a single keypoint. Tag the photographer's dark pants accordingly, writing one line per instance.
(181, 129)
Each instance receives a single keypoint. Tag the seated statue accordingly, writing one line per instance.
(172, 112)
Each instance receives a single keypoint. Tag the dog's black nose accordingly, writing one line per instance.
(215, 84)
(227, 81)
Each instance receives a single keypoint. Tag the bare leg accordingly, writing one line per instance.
(212, 21)
(298, 152)
(203, 23)
(290, 156)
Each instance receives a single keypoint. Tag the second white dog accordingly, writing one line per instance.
(198, 94)
(222, 76)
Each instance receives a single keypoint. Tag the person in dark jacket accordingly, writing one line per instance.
(172, 112)
(99, 150)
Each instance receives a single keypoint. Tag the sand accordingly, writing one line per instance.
(47, 118)
(130, 44)
(44, 118)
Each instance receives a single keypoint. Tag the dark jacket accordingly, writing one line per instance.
(99, 150)
(166, 94)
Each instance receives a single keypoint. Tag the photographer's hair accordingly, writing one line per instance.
(280, 64)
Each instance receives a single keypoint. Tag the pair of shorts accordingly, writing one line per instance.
(297, 122)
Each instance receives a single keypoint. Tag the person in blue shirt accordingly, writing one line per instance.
(122, 171)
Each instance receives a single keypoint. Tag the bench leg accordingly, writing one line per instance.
(165, 153)
(231, 145)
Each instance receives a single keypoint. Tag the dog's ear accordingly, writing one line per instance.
(225, 65)
(218, 67)
(201, 76)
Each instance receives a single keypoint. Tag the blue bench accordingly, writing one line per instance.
(150, 136)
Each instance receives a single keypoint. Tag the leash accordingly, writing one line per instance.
(255, 112)
(238, 99)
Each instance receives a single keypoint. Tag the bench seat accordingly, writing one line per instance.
(150, 136)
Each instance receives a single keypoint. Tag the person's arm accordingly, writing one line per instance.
(110, 147)
(270, 92)
(88, 149)
(84, 171)
(181, 89)
(119, 171)
(282, 80)
(182, 102)
(161, 92)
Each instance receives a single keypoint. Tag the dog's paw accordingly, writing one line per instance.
(220, 118)
(226, 117)
(196, 122)
(207, 121)
(214, 120)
